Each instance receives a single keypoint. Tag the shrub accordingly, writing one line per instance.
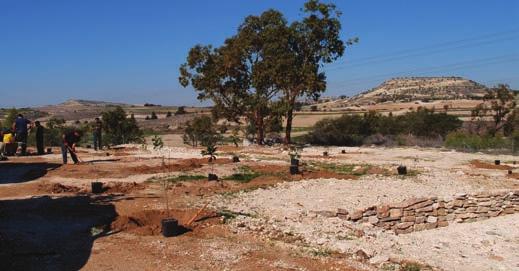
(181, 110)
(373, 128)
(118, 129)
(474, 142)
(201, 130)
(153, 116)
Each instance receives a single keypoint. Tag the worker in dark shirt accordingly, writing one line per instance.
(98, 127)
(39, 137)
(20, 127)
(70, 139)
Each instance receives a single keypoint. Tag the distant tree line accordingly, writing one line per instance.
(353, 130)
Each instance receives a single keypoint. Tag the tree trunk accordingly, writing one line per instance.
(260, 129)
(288, 128)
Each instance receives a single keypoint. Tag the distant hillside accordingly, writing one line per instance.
(407, 89)
(89, 103)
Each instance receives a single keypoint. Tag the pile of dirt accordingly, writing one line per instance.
(140, 223)
(480, 164)
(56, 188)
(179, 165)
(148, 222)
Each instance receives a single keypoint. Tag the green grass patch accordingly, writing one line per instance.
(244, 175)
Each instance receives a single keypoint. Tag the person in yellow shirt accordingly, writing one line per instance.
(7, 139)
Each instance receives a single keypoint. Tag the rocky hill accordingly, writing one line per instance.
(408, 89)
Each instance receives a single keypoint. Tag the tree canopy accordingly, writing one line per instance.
(266, 65)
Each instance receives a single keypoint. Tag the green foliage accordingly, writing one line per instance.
(352, 130)
(474, 142)
(181, 110)
(119, 129)
(511, 125)
(157, 142)
(10, 117)
(499, 102)
(210, 151)
(268, 58)
(201, 130)
(245, 175)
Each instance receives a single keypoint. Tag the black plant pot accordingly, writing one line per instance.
(402, 170)
(294, 169)
(170, 227)
(212, 177)
(49, 150)
(294, 162)
(343, 151)
(325, 153)
(235, 159)
(509, 171)
(97, 187)
(497, 162)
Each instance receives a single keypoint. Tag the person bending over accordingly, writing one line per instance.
(70, 139)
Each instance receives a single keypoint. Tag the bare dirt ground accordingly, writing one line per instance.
(259, 216)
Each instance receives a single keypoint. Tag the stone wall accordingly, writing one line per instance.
(428, 213)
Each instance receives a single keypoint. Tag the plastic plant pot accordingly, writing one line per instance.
(294, 162)
(212, 177)
(97, 187)
(170, 227)
(402, 170)
(497, 162)
(294, 169)
(235, 159)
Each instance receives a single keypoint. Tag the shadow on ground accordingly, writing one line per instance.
(43, 233)
(24, 172)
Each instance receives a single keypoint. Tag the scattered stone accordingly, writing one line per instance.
(373, 220)
(432, 219)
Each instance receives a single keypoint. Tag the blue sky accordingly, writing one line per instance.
(130, 51)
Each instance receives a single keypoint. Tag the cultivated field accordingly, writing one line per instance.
(259, 217)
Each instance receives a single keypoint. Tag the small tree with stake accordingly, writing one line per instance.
(210, 140)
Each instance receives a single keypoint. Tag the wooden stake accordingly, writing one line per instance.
(196, 215)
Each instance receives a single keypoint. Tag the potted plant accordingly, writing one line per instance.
(169, 224)
(211, 152)
(294, 160)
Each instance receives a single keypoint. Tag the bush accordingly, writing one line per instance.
(201, 130)
(373, 128)
(474, 142)
(181, 110)
(119, 129)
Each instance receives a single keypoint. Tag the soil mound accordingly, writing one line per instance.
(140, 223)
(56, 188)
(480, 164)
(148, 222)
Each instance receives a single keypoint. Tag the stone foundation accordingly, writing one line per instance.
(419, 214)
